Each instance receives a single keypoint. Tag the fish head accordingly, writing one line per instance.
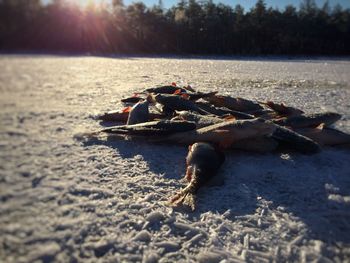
(200, 151)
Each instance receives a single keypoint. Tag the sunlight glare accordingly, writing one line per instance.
(83, 3)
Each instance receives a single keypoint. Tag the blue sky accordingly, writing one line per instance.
(247, 4)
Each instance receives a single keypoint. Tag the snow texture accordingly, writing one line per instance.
(67, 201)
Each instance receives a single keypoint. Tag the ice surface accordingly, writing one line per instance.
(67, 201)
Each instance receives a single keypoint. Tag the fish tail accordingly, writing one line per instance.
(187, 195)
(184, 198)
(190, 200)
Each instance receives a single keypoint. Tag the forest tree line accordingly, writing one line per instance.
(189, 27)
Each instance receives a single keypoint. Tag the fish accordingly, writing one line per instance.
(326, 136)
(174, 102)
(283, 110)
(223, 134)
(139, 113)
(116, 115)
(194, 96)
(164, 110)
(203, 162)
(281, 136)
(133, 99)
(221, 111)
(189, 88)
(122, 116)
(309, 120)
(237, 104)
(264, 114)
(261, 144)
(169, 89)
(152, 129)
(290, 139)
(200, 120)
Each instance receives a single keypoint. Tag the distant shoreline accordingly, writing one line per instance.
(293, 58)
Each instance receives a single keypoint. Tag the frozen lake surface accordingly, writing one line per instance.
(65, 201)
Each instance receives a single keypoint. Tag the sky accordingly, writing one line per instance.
(247, 4)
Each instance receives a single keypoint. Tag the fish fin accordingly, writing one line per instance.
(188, 175)
(184, 198)
(127, 109)
(280, 108)
(173, 84)
(229, 118)
(185, 96)
(189, 88)
(135, 95)
(177, 92)
(190, 200)
(177, 198)
(226, 142)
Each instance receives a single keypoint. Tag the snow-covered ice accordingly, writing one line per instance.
(65, 201)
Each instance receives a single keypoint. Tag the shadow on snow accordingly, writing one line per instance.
(299, 186)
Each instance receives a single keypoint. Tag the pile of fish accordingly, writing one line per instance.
(211, 124)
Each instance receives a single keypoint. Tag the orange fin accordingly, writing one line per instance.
(178, 91)
(185, 96)
(127, 109)
(230, 118)
(227, 140)
(189, 88)
(173, 84)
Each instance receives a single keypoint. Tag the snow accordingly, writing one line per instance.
(64, 200)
